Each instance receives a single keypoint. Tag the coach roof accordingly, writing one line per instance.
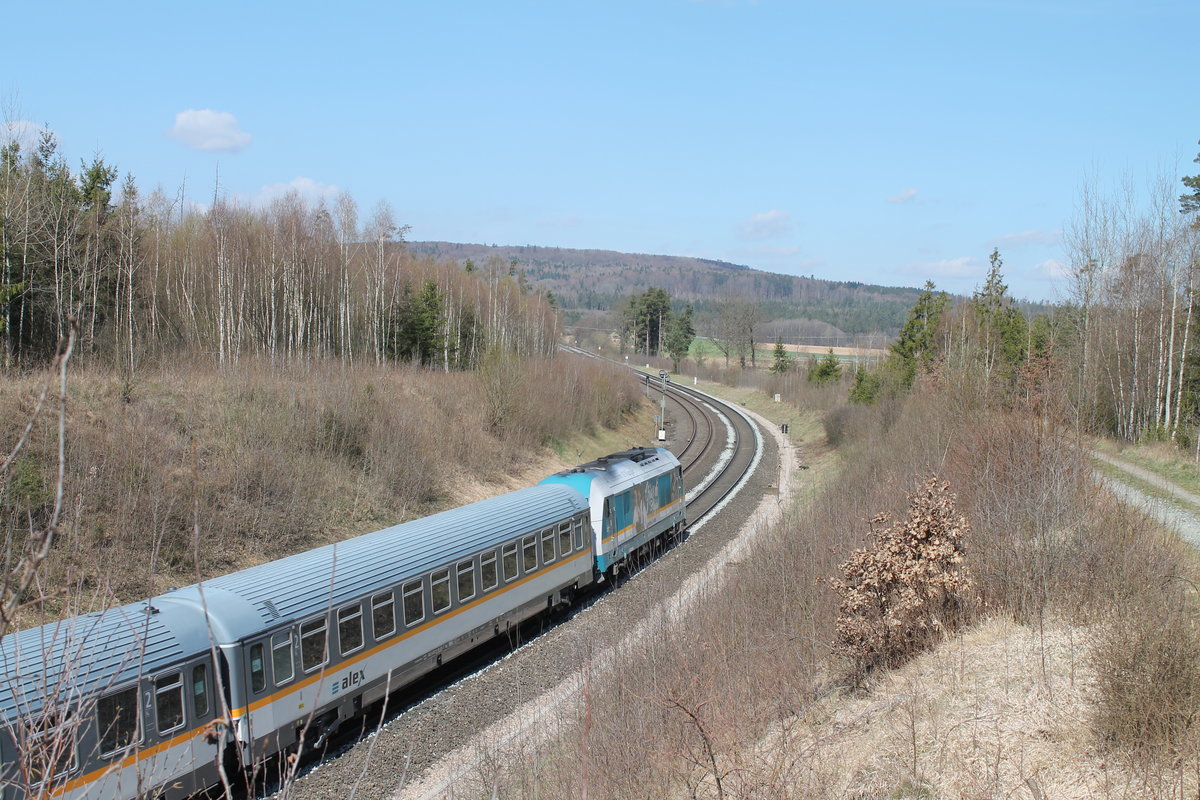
(55, 664)
(307, 584)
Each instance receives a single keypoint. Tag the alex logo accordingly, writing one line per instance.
(348, 681)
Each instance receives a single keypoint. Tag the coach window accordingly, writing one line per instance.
(564, 538)
(200, 690)
(487, 571)
(466, 580)
(529, 554)
(350, 629)
(258, 668)
(49, 752)
(168, 702)
(579, 533)
(439, 583)
(117, 715)
(312, 644)
(510, 561)
(547, 545)
(414, 603)
(383, 615)
(664, 490)
(281, 658)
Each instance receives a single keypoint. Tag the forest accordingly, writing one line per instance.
(146, 277)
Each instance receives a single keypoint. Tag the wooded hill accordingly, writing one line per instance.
(599, 280)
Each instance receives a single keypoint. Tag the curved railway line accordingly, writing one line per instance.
(421, 724)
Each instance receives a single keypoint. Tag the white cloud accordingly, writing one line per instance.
(310, 191)
(1030, 237)
(1052, 269)
(208, 130)
(767, 225)
(905, 196)
(26, 134)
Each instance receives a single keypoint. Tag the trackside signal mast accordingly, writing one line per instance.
(662, 416)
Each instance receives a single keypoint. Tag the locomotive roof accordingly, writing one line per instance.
(615, 472)
(309, 583)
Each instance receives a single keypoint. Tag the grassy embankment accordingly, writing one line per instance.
(190, 471)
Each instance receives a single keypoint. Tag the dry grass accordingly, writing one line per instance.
(989, 714)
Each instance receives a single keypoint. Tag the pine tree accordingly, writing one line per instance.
(914, 347)
(417, 325)
(645, 320)
(825, 371)
(680, 334)
(782, 361)
(1190, 203)
(1003, 331)
(867, 387)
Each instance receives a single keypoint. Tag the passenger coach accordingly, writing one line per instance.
(137, 700)
(149, 699)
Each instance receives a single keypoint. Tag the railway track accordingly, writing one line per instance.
(439, 716)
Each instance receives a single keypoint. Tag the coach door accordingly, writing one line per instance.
(203, 706)
(610, 523)
(180, 706)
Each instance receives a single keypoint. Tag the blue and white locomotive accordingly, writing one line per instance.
(636, 500)
(155, 698)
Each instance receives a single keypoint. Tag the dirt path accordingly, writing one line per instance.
(1181, 514)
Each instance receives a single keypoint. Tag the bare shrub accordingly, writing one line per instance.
(1147, 665)
(842, 422)
(909, 587)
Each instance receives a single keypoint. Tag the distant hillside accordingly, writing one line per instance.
(598, 280)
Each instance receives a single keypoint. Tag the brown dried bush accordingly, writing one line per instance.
(909, 587)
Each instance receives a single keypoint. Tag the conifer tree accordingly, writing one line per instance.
(645, 320)
(782, 361)
(827, 370)
(418, 325)
(1190, 203)
(867, 387)
(914, 347)
(680, 334)
(1002, 328)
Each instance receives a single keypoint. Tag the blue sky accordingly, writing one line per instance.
(880, 142)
